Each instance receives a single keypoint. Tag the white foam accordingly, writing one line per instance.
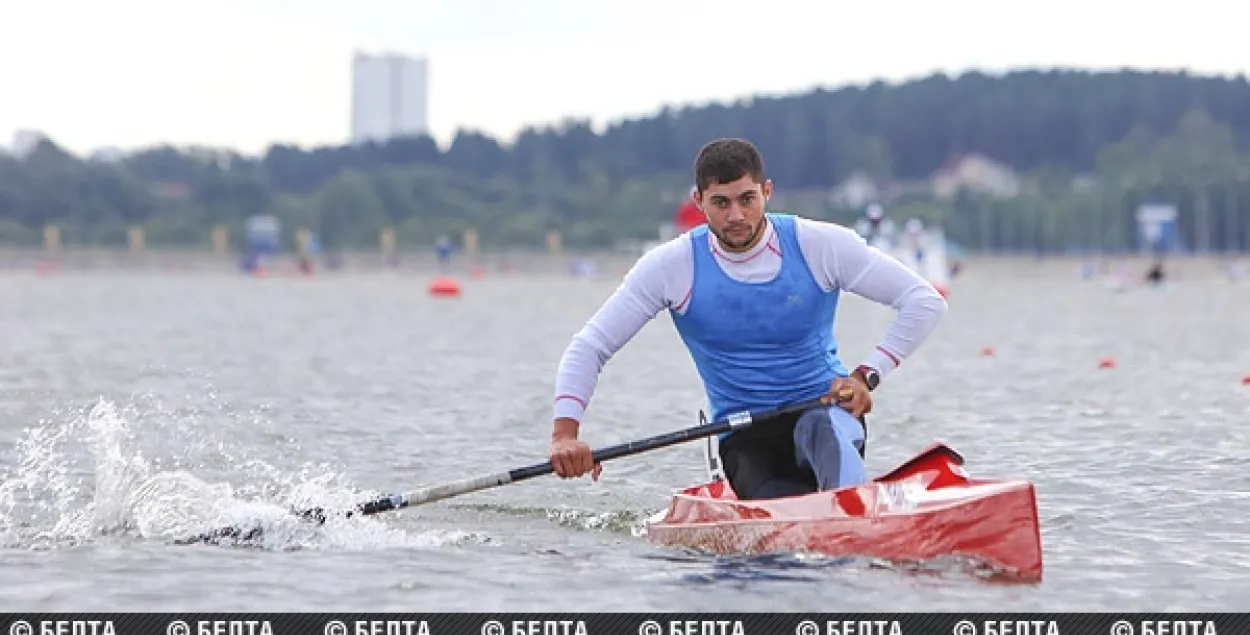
(82, 478)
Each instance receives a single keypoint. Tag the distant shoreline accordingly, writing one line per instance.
(607, 262)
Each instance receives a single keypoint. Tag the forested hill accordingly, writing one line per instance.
(598, 188)
(1026, 120)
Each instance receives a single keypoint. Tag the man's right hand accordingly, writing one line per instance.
(571, 458)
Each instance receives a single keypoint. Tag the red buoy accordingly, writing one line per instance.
(444, 286)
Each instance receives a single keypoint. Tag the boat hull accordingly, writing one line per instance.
(925, 509)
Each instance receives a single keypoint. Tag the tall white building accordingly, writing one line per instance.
(25, 141)
(389, 97)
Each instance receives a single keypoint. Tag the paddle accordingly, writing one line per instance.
(736, 421)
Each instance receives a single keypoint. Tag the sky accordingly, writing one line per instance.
(245, 74)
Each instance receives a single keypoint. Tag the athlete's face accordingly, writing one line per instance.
(735, 211)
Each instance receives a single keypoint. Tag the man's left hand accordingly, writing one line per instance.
(851, 394)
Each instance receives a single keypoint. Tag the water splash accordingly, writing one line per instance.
(39, 504)
(617, 521)
(624, 521)
(81, 477)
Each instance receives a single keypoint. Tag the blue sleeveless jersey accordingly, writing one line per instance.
(759, 346)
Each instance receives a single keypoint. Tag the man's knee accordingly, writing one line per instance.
(812, 427)
(831, 441)
(822, 423)
(849, 429)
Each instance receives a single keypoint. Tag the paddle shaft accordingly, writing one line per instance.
(733, 422)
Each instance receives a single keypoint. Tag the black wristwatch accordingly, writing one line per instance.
(870, 376)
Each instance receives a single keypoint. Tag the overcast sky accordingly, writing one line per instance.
(248, 73)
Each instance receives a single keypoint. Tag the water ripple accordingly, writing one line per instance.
(138, 409)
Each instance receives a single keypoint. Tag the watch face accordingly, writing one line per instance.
(872, 379)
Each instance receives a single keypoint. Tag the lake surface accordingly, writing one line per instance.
(138, 407)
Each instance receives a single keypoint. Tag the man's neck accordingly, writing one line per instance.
(760, 237)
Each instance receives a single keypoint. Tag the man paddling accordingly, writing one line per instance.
(753, 296)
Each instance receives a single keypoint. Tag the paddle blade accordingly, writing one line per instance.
(316, 515)
(225, 536)
(236, 535)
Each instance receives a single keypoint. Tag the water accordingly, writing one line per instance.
(136, 408)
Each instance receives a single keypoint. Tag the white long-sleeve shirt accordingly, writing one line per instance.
(662, 279)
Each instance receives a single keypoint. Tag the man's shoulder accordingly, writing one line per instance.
(675, 245)
(665, 254)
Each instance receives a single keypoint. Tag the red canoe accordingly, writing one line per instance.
(926, 508)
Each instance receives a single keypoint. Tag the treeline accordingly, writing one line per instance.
(1141, 135)
(1197, 168)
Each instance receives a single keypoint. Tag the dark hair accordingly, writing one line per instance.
(726, 161)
